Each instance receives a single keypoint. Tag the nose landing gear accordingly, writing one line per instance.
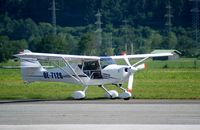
(125, 95)
(113, 94)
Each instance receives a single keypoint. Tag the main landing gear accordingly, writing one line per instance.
(110, 93)
(78, 95)
(113, 94)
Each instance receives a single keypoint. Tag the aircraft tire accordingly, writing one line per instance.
(78, 95)
(114, 94)
(125, 95)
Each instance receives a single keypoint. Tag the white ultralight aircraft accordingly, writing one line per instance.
(84, 70)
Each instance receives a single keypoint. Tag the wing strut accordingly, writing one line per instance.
(67, 63)
(67, 72)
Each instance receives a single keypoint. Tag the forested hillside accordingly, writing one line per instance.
(27, 24)
(82, 12)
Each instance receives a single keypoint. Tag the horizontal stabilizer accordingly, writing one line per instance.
(36, 66)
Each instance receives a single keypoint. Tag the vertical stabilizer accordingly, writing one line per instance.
(30, 69)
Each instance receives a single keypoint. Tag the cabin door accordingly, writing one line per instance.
(92, 69)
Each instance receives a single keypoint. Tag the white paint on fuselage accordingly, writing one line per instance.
(117, 71)
(116, 75)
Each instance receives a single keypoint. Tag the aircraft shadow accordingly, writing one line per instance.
(46, 100)
(21, 101)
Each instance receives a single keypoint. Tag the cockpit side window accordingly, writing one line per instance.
(91, 65)
(92, 69)
(106, 61)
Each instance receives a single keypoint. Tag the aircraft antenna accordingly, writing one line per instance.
(54, 9)
(168, 17)
(98, 30)
(108, 45)
(125, 28)
(132, 48)
(195, 21)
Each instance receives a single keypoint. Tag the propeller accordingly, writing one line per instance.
(126, 60)
(130, 82)
(132, 70)
(141, 66)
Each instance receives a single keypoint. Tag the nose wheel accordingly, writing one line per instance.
(125, 95)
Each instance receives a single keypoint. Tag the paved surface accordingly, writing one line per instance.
(100, 112)
(99, 127)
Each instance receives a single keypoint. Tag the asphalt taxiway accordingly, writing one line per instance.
(28, 112)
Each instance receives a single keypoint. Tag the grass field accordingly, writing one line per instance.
(162, 80)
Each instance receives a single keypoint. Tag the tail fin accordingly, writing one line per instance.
(31, 67)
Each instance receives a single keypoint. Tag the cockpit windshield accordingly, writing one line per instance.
(106, 61)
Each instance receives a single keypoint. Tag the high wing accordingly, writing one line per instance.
(49, 56)
(142, 55)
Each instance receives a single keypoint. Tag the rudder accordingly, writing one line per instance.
(30, 68)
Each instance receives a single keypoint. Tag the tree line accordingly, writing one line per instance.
(26, 34)
(25, 25)
(81, 12)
